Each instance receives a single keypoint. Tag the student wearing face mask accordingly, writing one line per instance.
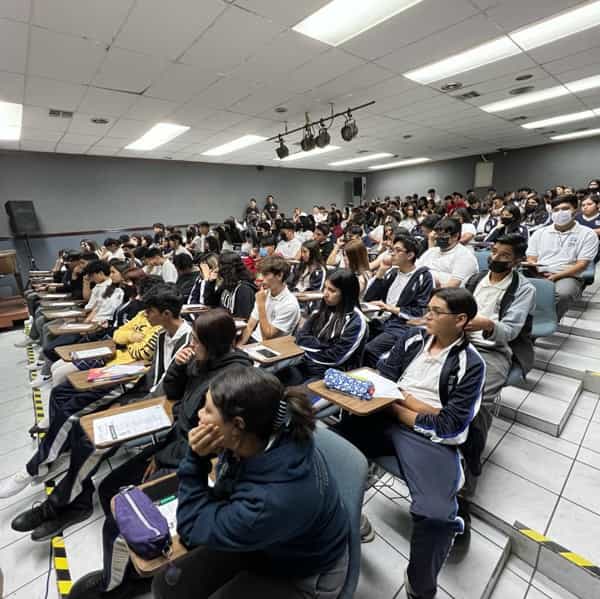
(450, 262)
(536, 215)
(563, 251)
(267, 247)
(289, 246)
(510, 223)
(483, 221)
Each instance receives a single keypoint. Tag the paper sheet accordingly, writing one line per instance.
(91, 353)
(369, 307)
(78, 326)
(168, 508)
(128, 425)
(383, 387)
(62, 304)
(311, 295)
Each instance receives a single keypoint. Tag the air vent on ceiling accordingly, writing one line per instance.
(362, 152)
(468, 95)
(451, 87)
(515, 119)
(61, 114)
(406, 136)
(523, 77)
(521, 90)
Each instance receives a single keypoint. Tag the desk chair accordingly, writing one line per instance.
(589, 274)
(545, 321)
(482, 259)
(349, 468)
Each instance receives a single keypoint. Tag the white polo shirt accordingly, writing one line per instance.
(289, 249)
(283, 313)
(458, 263)
(489, 297)
(557, 250)
(397, 286)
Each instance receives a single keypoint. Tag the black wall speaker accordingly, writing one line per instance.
(358, 186)
(22, 218)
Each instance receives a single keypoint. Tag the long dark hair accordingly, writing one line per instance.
(329, 320)
(263, 402)
(215, 329)
(314, 259)
(232, 270)
(516, 214)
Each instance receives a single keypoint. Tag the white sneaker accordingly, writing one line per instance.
(39, 381)
(15, 484)
(26, 342)
(36, 365)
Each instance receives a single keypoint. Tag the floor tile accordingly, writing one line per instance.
(11, 441)
(543, 413)
(15, 460)
(586, 404)
(574, 429)
(500, 423)
(510, 497)
(22, 562)
(519, 567)
(391, 521)
(524, 458)
(509, 586)
(84, 548)
(583, 487)
(550, 588)
(592, 436)
(577, 529)
(494, 437)
(540, 438)
(557, 386)
(17, 422)
(36, 588)
(589, 457)
(22, 502)
(513, 397)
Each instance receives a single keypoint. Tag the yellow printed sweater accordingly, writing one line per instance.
(135, 350)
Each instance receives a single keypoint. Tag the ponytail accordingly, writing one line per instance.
(300, 415)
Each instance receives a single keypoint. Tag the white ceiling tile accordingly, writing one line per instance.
(82, 123)
(99, 150)
(17, 10)
(286, 13)
(361, 77)
(180, 82)
(84, 18)
(575, 61)
(416, 23)
(128, 129)
(255, 126)
(150, 109)
(66, 148)
(9, 145)
(112, 143)
(37, 146)
(221, 119)
(37, 118)
(12, 87)
(63, 57)
(223, 93)
(250, 32)
(261, 99)
(566, 46)
(462, 36)
(13, 46)
(512, 14)
(53, 94)
(79, 139)
(195, 135)
(128, 71)
(106, 103)
(191, 113)
(29, 133)
(165, 29)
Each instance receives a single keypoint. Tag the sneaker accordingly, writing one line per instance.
(39, 381)
(15, 484)
(64, 518)
(26, 342)
(35, 366)
(32, 518)
(91, 586)
(367, 534)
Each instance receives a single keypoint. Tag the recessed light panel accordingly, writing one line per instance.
(236, 144)
(11, 116)
(160, 134)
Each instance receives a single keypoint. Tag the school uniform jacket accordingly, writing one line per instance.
(413, 299)
(460, 385)
(239, 302)
(316, 279)
(321, 354)
(154, 377)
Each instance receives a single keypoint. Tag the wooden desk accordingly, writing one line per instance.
(64, 351)
(193, 309)
(80, 382)
(308, 296)
(43, 273)
(54, 296)
(70, 313)
(59, 327)
(350, 403)
(285, 346)
(60, 304)
(87, 421)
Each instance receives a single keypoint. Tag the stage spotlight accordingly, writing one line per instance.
(350, 129)
(308, 140)
(282, 151)
(323, 138)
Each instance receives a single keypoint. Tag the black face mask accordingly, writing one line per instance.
(529, 209)
(499, 266)
(442, 242)
(505, 220)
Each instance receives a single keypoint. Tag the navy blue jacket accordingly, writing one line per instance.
(316, 279)
(283, 502)
(413, 299)
(460, 386)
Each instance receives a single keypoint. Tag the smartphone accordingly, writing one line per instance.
(265, 352)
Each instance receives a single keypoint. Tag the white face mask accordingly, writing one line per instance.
(562, 217)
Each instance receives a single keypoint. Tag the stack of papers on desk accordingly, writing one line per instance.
(111, 373)
(384, 388)
(99, 352)
(128, 425)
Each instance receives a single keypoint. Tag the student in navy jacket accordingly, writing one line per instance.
(311, 273)
(441, 376)
(401, 292)
(334, 336)
(274, 524)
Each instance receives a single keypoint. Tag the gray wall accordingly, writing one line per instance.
(73, 193)
(541, 167)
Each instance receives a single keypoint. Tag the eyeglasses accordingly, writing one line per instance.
(437, 312)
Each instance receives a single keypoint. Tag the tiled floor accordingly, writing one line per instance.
(552, 484)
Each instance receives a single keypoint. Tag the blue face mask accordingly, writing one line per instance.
(263, 252)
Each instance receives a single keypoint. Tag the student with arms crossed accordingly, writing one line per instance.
(441, 376)
(274, 525)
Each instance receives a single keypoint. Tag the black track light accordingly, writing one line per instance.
(350, 129)
(282, 151)
(323, 138)
(308, 140)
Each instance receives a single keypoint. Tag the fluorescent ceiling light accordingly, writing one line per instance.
(558, 27)
(314, 152)
(341, 20)
(157, 136)
(565, 118)
(361, 159)
(582, 85)
(407, 162)
(236, 144)
(525, 99)
(576, 135)
(468, 60)
(11, 115)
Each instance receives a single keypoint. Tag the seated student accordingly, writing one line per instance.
(111, 250)
(211, 352)
(199, 243)
(402, 292)
(176, 245)
(334, 336)
(276, 310)
(310, 274)
(337, 256)
(423, 232)
(274, 525)
(535, 214)
(231, 287)
(267, 247)
(510, 224)
(71, 500)
(157, 264)
(441, 376)
(484, 221)
(590, 215)
(450, 262)
(208, 263)
(467, 228)
(321, 234)
(563, 251)
(289, 246)
(357, 261)
(186, 275)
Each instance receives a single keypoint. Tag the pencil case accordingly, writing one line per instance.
(340, 381)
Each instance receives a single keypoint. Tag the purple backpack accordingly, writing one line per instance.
(144, 528)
